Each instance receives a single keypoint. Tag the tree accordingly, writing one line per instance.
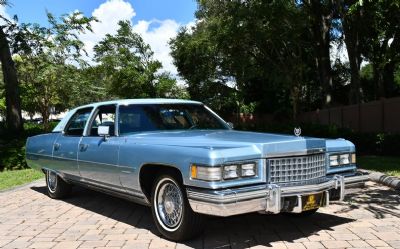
(352, 28)
(381, 42)
(260, 47)
(13, 105)
(320, 16)
(128, 66)
(45, 62)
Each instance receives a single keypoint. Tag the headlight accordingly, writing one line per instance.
(230, 171)
(342, 159)
(345, 159)
(223, 172)
(248, 169)
(206, 173)
(334, 160)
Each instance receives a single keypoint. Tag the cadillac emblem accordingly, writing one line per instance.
(297, 131)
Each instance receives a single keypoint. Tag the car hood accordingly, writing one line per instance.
(266, 144)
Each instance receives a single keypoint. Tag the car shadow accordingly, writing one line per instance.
(240, 231)
(381, 203)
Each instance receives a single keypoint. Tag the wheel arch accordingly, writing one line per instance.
(149, 172)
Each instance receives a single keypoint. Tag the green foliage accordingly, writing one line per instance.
(386, 165)
(259, 47)
(12, 150)
(128, 67)
(2, 107)
(13, 155)
(44, 63)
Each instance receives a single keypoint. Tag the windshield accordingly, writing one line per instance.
(152, 117)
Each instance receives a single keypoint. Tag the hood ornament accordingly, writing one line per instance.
(297, 131)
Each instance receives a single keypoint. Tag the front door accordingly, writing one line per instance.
(98, 156)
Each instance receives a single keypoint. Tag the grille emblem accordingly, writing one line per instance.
(297, 131)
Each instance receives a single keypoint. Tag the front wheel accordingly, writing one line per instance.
(171, 211)
(57, 188)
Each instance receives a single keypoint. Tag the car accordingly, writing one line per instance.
(185, 162)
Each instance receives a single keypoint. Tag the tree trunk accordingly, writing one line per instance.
(378, 81)
(45, 117)
(388, 79)
(13, 102)
(320, 27)
(351, 38)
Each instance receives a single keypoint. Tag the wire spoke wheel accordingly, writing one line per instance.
(52, 181)
(171, 210)
(169, 204)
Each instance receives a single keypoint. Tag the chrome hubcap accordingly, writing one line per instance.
(51, 181)
(169, 204)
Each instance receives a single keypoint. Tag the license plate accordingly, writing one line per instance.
(311, 202)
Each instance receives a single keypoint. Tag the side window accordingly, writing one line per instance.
(104, 116)
(76, 124)
(135, 118)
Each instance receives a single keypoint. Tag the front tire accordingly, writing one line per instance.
(57, 188)
(171, 211)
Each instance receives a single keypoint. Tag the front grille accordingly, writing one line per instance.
(296, 169)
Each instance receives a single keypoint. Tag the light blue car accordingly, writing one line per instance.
(184, 161)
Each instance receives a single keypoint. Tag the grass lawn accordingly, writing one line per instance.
(384, 164)
(14, 178)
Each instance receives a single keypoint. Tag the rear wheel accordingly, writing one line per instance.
(57, 188)
(171, 211)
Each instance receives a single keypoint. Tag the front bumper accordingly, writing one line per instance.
(270, 198)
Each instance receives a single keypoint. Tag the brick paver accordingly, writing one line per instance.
(368, 218)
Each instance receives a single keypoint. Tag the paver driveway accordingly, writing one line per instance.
(369, 217)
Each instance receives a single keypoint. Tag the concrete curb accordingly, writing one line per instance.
(390, 181)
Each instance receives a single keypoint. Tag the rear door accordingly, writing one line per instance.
(65, 148)
(98, 156)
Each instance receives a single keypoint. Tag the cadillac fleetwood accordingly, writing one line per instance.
(184, 161)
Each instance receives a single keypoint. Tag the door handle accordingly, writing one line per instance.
(83, 147)
(56, 146)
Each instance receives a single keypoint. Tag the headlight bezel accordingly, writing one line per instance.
(231, 167)
(341, 159)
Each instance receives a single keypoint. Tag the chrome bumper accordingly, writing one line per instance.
(263, 198)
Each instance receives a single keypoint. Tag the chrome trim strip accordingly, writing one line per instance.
(296, 153)
(261, 198)
(356, 179)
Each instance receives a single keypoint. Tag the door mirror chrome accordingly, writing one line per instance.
(230, 124)
(103, 131)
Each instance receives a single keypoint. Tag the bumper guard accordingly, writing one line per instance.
(267, 198)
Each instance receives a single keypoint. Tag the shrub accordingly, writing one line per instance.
(12, 150)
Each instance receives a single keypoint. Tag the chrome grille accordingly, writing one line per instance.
(299, 168)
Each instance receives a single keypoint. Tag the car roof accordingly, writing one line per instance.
(60, 126)
(141, 101)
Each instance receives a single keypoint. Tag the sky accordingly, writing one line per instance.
(157, 21)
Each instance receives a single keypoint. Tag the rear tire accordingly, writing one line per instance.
(171, 210)
(57, 188)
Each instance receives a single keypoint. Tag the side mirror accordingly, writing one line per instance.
(103, 131)
(230, 124)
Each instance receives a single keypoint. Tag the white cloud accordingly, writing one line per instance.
(108, 15)
(157, 34)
